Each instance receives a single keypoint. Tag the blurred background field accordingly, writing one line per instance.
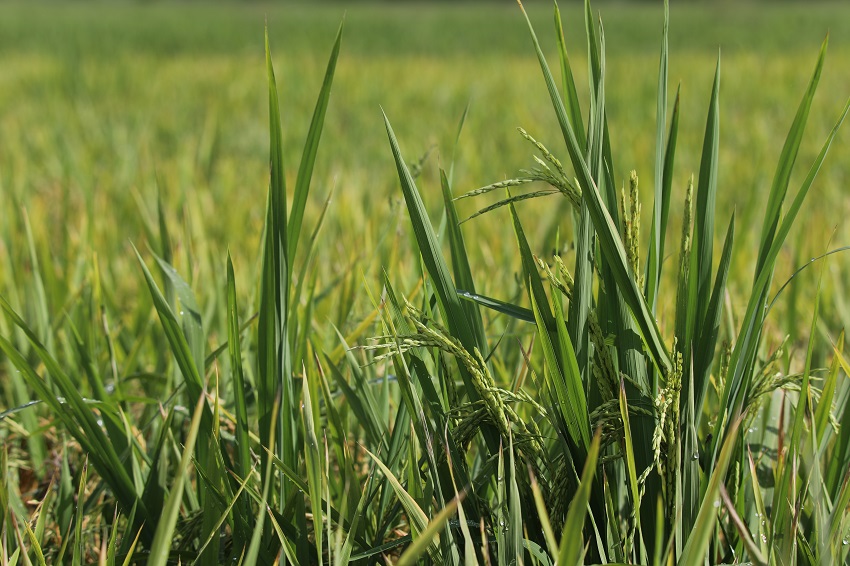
(103, 103)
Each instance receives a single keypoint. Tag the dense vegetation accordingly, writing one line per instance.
(319, 373)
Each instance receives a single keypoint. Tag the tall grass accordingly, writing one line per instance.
(588, 431)
(677, 481)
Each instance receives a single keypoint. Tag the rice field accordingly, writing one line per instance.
(146, 125)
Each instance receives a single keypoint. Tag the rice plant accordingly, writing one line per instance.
(643, 443)
(573, 424)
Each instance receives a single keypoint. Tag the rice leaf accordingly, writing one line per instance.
(243, 447)
(190, 313)
(451, 309)
(415, 515)
(311, 148)
(785, 165)
(824, 407)
(743, 532)
(421, 543)
(460, 259)
(563, 376)
(786, 492)
(703, 245)
(177, 340)
(743, 355)
(164, 534)
(510, 309)
(314, 461)
(79, 547)
(656, 246)
(572, 535)
(571, 101)
(78, 418)
(631, 468)
(698, 541)
(703, 352)
(609, 239)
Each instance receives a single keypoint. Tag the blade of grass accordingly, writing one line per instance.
(787, 159)
(609, 239)
(701, 536)
(656, 246)
(631, 468)
(703, 245)
(571, 101)
(190, 314)
(253, 552)
(242, 462)
(313, 459)
(79, 546)
(572, 535)
(824, 407)
(421, 543)
(311, 148)
(80, 421)
(785, 494)
(743, 355)
(743, 531)
(161, 546)
(703, 351)
(416, 516)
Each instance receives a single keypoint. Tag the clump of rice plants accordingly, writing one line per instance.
(585, 431)
(641, 443)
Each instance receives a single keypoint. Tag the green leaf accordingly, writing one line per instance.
(743, 355)
(653, 269)
(824, 407)
(242, 464)
(786, 491)
(703, 246)
(510, 309)
(183, 354)
(570, 92)
(452, 310)
(415, 515)
(75, 414)
(572, 535)
(314, 462)
(563, 376)
(631, 468)
(703, 531)
(79, 543)
(311, 148)
(787, 159)
(432, 531)
(161, 545)
(704, 347)
(609, 239)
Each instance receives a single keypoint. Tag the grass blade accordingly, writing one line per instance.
(609, 239)
(311, 148)
(571, 101)
(702, 533)
(460, 261)
(242, 463)
(79, 548)
(161, 545)
(703, 245)
(787, 159)
(564, 378)
(656, 246)
(423, 541)
(572, 536)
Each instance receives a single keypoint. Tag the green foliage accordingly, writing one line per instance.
(603, 409)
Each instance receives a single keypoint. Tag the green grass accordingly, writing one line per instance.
(222, 409)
